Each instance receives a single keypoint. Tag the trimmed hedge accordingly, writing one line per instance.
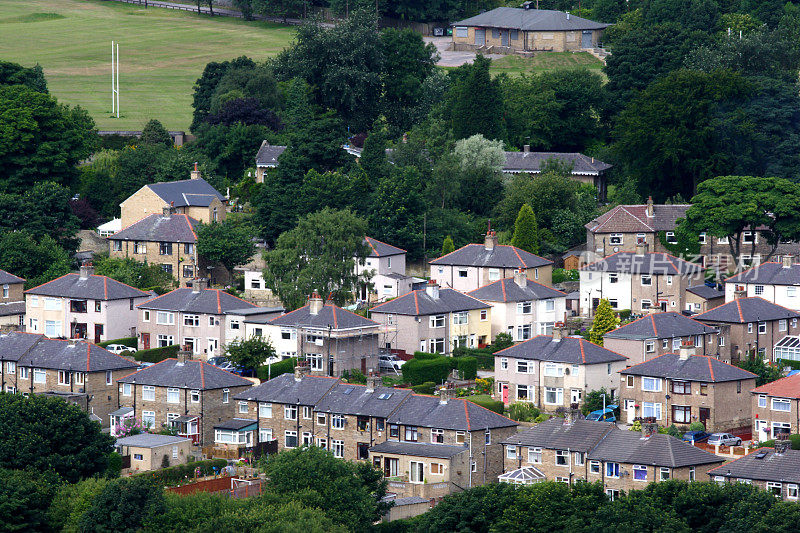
(429, 387)
(419, 371)
(467, 367)
(795, 439)
(485, 401)
(426, 355)
(177, 474)
(794, 365)
(484, 356)
(156, 355)
(127, 341)
(284, 367)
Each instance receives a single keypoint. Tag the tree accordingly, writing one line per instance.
(765, 372)
(526, 231)
(38, 261)
(71, 501)
(249, 353)
(727, 205)
(155, 133)
(321, 255)
(124, 505)
(15, 74)
(24, 500)
(593, 401)
(48, 434)
(206, 86)
(479, 162)
(475, 101)
(397, 210)
(448, 246)
(230, 242)
(137, 274)
(605, 320)
(315, 478)
(373, 156)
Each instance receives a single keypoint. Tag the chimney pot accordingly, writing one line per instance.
(650, 209)
(195, 174)
(86, 270)
(432, 289)
(314, 304)
(490, 241)
(787, 261)
(521, 277)
(558, 331)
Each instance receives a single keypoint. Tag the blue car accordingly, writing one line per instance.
(603, 415)
(696, 436)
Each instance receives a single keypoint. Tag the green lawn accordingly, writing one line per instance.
(515, 65)
(162, 53)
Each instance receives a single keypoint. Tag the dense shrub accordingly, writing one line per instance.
(794, 365)
(418, 371)
(174, 475)
(795, 440)
(426, 355)
(484, 356)
(156, 355)
(486, 401)
(429, 387)
(467, 367)
(127, 341)
(523, 412)
(284, 367)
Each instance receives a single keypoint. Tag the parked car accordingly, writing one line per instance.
(695, 436)
(603, 415)
(390, 362)
(724, 439)
(119, 348)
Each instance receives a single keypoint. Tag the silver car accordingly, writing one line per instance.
(724, 439)
(390, 362)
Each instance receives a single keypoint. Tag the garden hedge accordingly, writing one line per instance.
(177, 474)
(467, 367)
(492, 405)
(429, 387)
(484, 356)
(418, 371)
(127, 341)
(156, 355)
(795, 440)
(426, 355)
(794, 365)
(284, 367)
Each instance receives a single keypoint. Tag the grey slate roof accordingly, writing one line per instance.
(7, 278)
(420, 303)
(658, 450)
(381, 249)
(660, 326)
(633, 218)
(418, 449)
(582, 165)
(694, 368)
(555, 434)
(409, 500)
(285, 389)
(570, 350)
(654, 263)
(236, 424)
(456, 414)
(705, 292)
(159, 228)
(530, 20)
(93, 287)
(330, 315)
(743, 310)
(268, 154)
(502, 256)
(249, 311)
(194, 192)
(206, 301)
(149, 440)
(379, 403)
(122, 411)
(769, 274)
(784, 468)
(33, 350)
(12, 308)
(197, 375)
(507, 290)
(14, 345)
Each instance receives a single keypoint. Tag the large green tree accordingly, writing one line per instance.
(478, 169)
(42, 210)
(155, 133)
(15, 74)
(605, 320)
(474, 103)
(134, 273)
(526, 231)
(229, 242)
(124, 505)
(249, 353)
(36, 260)
(25, 497)
(321, 255)
(49, 434)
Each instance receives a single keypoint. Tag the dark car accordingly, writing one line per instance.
(696, 436)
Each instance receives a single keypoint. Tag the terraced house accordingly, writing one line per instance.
(75, 370)
(776, 282)
(434, 320)
(12, 300)
(776, 470)
(569, 451)
(776, 409)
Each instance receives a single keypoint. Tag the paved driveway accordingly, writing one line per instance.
(451, 58)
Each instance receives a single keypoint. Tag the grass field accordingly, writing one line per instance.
(514, 65)
(162, 53)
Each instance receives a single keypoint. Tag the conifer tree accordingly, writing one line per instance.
(526, 230)
(605, 320)
(448, 246)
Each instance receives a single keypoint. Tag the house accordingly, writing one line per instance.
(585, 169)
(433, 320)
(776, 409)
(168, 240)
(527, 30)
(195, 198)
(386, 267)
(638, 281)
(35, 364)
(684, 388)
(570, 450)
(242, 323)
(12, 303)
(193, 317)
(660, 333)
(701, 298)
(83, 306)
(148, 451)
(332, 340)
(775, 282)
(267, 157)
(555, 372)
(521, 307)
(187, 395)
(751, 325)
(474, 265)
(776, 470)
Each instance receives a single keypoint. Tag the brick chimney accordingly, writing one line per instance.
(686, 350)
(87, 269)
(739, 292)
(199, 284)
(649, 211)
(432, 289)
(572, 414)
(314, 304)
(521, 277)
(169, 210)
(373, 382)
(184, 354)
(301, 369)
(195, 174)
(641, 248)
(446, 394)
(559, 331)
(781, 445)
(490, 241)
(526, 149)
(787, 261)
(648, 430)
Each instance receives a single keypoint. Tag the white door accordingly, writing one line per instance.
(213, 346)
(630, 410)
(762, 430)
(576, 396)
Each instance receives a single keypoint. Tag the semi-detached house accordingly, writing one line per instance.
(778, 283)
(776, 408)
(776, 470)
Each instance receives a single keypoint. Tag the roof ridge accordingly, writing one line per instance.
(386, 243)
(503, 286)
(653, 322)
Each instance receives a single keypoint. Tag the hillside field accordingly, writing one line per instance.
(162, 53)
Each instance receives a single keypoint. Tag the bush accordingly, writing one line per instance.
(795, 440)
(392, 381)
(174, 475)
(284, 367)
(127, 341)
(426, 356)
(156, 355)
(429, 387)
(624, 314)
(484, 356)
(696, 426)
(487, 402)
(467, 367)
(114, 465)
(354, 376)
(523, 412)
(560, 275)
(419, 371)
(794, 365)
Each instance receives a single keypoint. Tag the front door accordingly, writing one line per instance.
(705, 414)
(505, 393)
(480, 36)
(364, 365)
(630, 410)
(504, 37)
(213, 346)
(98, 333)
(145, 341)
(586, 39)
(390, 467)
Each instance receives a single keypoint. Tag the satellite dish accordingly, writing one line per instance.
(616, 249)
